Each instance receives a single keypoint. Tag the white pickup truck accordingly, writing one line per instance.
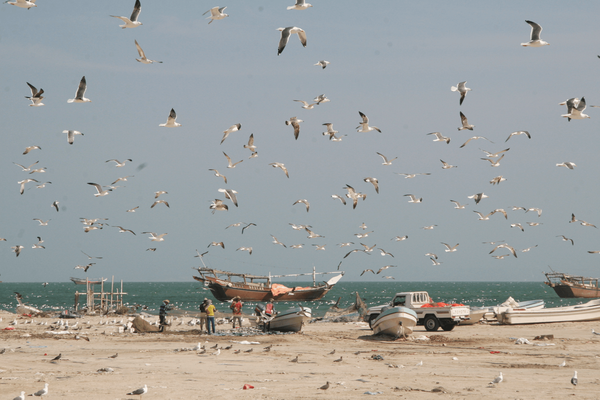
(431, 317)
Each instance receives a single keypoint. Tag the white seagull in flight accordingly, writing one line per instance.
(80, 93)
(36, 96)
(143, 59)
(535, 40)
(462, 89)
(364, 125)
(71, 135)
(216, 13)
(575, 109)
(22, 3)
(300, 5)
(171, 120)
(101, 192)
(132, 21)
(285, 37)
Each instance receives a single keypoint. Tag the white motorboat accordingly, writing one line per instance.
(290, 320)
(589, 311)
(489, 313)
(395, 322)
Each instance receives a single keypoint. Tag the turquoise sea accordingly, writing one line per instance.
(188, 295)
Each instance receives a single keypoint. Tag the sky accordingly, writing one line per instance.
(394, 61)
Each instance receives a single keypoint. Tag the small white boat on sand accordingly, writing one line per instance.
(395, 322)
(290, 320)
(589, 311)
(489, 313)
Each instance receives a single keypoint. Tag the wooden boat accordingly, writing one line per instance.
(589, 311)
(227, 285)
(570, 286)
(290, 320)
(83, 281)
(395, 322)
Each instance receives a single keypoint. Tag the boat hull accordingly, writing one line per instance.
(395, 322)
(224, 291)
(569, 292)
(290, 320)
(589, 311)
(81, 281)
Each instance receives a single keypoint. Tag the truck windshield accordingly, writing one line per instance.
(399, 301)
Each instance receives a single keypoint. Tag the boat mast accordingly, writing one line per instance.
(314, 276)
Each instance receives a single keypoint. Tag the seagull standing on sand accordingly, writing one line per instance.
(132, 21)
(139, 392)
(80, 93)
(171, 120)
(41, 393)
(462, 89)
(143, 59)
(21, 397)
(216, 13)
(285, 37)
(535, 40)
(574, 379)
(497, 379)
(300, 5)
(36, 96)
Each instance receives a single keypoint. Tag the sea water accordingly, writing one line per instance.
(187, 296)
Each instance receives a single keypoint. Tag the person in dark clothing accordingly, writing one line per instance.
(203, 318)
(162, 314)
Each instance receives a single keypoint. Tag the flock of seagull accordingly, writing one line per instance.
(575, 111)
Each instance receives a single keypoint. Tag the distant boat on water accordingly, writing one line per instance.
(571, 286)
(84, 281)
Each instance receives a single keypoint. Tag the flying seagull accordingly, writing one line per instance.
(323, 63)
(216, 13)
(385, 159)
(285, 37)
(36, 96)
(101, 192)
(321, 99)
(217, 173)
(575, 109)
(474, 138)
(132, 21)
(217, 205)
(231, 195)
(276, 241)
(567, 164)
(374, 182)
(465, 123)
(303, 201)
(439, 137)
(30, 148)
(364, 125)
(143, 59)
(230, 164)
(445, 165)
(171, 120)
(119, 163)
(232, 128)
(462, 89)
(478, 197)
(80, 93)
(248, 249)
(282, 166)
(22, 3)
(23, 182)
(300, 5)
(518, 133)
(535, 40)
(295, 122)
(156, 238)
(306, 105)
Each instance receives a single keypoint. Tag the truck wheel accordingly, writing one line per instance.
(371, 319)
(431, 323)
(448, 326)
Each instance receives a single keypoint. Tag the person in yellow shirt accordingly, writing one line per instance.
(210, 316)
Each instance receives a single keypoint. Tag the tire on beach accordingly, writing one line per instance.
(431, 323)
(448, 325)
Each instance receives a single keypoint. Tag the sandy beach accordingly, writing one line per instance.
(456, 364)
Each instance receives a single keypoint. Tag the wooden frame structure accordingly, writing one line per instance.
(103, 301)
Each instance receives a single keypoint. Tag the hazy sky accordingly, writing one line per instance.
(395, 61)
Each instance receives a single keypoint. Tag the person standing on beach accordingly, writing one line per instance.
(236, 307)
(270, 309)
(210, 316)
(203, 321)
(162, 314)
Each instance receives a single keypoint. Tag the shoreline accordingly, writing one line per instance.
(460, 363)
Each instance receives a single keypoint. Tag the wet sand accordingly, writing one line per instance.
(456, 364)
